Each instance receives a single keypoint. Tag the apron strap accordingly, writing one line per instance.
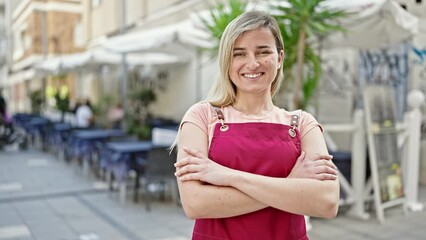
(219, 114)
(221, 118)
(294, 122)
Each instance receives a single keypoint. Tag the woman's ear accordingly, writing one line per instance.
(280, 58)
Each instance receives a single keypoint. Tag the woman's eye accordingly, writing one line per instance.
(263, 53)
(239, 54)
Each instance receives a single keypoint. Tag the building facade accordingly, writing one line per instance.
(131, 16)
(3, 44)
(39, 30)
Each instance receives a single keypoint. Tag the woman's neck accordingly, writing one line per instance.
(253, 106)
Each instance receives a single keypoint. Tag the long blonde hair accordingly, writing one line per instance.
(223, 91)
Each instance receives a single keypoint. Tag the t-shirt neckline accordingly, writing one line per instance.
(266, 115)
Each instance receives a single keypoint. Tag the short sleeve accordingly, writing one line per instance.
(307, 123)
(198, 114)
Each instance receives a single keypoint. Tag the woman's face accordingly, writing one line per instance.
(255, 61)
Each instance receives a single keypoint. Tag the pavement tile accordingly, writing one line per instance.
(10, 187)
(14, 231)
(57, 202)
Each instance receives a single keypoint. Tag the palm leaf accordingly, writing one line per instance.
(308, 17)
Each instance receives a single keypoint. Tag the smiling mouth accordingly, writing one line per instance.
(252, 75)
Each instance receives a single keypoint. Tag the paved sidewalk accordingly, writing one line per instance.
(42, 198)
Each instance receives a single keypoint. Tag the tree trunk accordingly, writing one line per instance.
(299, 75)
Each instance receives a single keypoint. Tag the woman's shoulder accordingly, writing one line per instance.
(202, 107)
(299, 112)
(201, 110)
(305, 118)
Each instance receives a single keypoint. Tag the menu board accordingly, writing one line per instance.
(385, 156)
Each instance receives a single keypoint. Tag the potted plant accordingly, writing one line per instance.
(36, 101)
(138, 119)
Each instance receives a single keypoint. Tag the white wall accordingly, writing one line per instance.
(188, 84)
(179, 95)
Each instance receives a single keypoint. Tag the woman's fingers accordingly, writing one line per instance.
(188, 160)
(191, 168)
(326, 176)
(324, 157)
(301, 156)
(323, 166)
(327, 163)
(189, 177)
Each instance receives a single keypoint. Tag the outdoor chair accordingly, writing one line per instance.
(159, 175)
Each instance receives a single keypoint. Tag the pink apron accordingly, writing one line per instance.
(261, 148)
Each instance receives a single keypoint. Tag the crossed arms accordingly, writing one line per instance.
(209, 190)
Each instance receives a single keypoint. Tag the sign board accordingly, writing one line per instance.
(385, 156)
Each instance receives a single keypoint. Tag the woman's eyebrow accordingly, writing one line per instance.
(238, 49)
(258, 47)
(263, 46)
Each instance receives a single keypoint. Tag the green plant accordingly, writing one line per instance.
(220, 16)
(62, 102)
(138, 119)
(139, 128)
(301, 20)
(36, 100)
(144, 96)
(104, 103)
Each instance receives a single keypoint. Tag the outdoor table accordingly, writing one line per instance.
(82, 142)
(126, 156)
(130, 147)
(97, 134)
(35, 129)
(57, 135)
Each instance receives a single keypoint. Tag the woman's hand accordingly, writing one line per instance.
(199, 167)
(321, 168)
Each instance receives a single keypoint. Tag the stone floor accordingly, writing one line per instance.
(43, 198)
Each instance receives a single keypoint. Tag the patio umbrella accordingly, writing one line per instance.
(101, 56)
(374, 24)
(156, 38)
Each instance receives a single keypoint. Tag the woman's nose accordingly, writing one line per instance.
(253, 62)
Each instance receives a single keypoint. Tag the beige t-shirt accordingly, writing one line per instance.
(203, 115)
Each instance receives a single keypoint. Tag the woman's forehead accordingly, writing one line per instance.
(255, 36)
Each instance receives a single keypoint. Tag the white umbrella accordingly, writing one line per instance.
(374, 24)
(49, 65)
(157, 38)
(101, 56)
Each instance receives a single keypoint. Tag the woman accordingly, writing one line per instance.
(247, 169)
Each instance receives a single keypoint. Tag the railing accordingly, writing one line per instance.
(409, 138)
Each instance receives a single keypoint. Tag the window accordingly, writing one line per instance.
(18, 46)
(79, 38)
(96, 3)
(26, 40)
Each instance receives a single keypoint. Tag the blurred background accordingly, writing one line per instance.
(138, 65)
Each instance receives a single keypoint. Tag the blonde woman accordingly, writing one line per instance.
(247, 169)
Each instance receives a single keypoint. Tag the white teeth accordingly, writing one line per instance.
(251, 75)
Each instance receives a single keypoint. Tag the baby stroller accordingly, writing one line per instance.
(10, 135)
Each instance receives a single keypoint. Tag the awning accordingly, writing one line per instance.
(101, 56)
(156, 38)
(20, 76)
